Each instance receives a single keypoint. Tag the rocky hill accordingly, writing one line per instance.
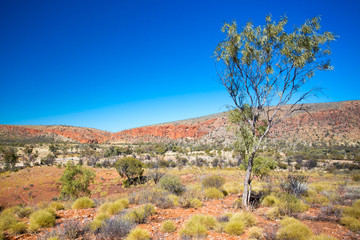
(338, 121)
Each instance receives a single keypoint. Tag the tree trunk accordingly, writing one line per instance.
(247, 184)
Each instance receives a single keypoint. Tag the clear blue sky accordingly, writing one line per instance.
(115, 65)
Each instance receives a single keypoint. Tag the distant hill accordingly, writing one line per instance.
(339, 121)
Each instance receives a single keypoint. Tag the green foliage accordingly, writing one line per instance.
(269, 201)
(98, 221)
(17, 228)
(129, 167)
(83, 203)
(245, 217)
(289, 205)
(172, 183)
(10, 158)
(111, 208)
(293, 229)
(197, 226)
(139, 234)
(351, 223)
(195, 203)
(255, 233)
(139, 215)
(41, 218)
(57, 206)
(213, 193)
(168, 226)
(123, 201)
(7, 219)
(75, 181)
(234, 228)
(233, 187)
(215, 181)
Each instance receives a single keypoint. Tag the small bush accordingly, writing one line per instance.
(123, 201)
(57, 206)
(98, 220)
(111, 208)
(322, 237)
(195, 230)
(317, 200)
(23, 212)
(246, 217)
(168, 226)
(208, 221)
(71, 229)
(356, 177)
(351, 223)
(330, 212)
(195, 203)
(140, 214)
(158, 197)
(352, 212)
(255, 233)
(116, 228)
(174, 200)
(139, 234)
(237, 204)
(186, 198)
(233, 187)
(7, 219)
(83, 203)
(234, 228)
(172, 184)
(213, 193)
(40, 219)
(17, 228)
(213, 181)
(295, 184)
(272, 213)
(269, 201)
(293, 229)
(289, 205)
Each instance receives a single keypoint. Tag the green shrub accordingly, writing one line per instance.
(174, 200)
(168, 226)
(195, 203)
(269, 201)
(140, 214)
(233, 187)
(98, 220)
(129, 167)
(293, 229)
(41, 218)
(322, 237)
(215, 181)
(22, 212)
(234, 228)
(138, 234)
(111, 208)
(83, 203)
(356, 177)
(356, 204)
(246, 217)
(57, 206)
(7, 219)
(195, 230)
(316, 199)
(272, 213)
(237, 204)
(255, 233)
(213, 193)
(123, 201)
(208, 221)
(75, 181)
(172, 184)
(289, 205)
(351, 223)
(17, 228)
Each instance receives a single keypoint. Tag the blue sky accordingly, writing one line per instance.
(115, 65)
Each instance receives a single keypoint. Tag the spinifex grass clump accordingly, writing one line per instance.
(41, 218)
(168, 226)
(198, 226)
(83, 203)
(292, 229)
(139, 234)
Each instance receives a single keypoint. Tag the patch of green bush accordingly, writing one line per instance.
(172, 183)
(23, 212)
(98, 220)
(83, 203)
(123, 201)
(351, 223)
(245, 217)
(111, 208)
(7, 219)
(174, 200)
(195, 203)
(290, 204)
(41, 218)
(57, 206)
(139, 234)
(213, 193)
(255, 233)
(215, 181)
(17, 228)
(234, 228)
(168, 226)
(233, 187)
(293, 229)
(269, 201)
(139, 215)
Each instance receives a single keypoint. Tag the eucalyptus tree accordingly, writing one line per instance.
(263, 69)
